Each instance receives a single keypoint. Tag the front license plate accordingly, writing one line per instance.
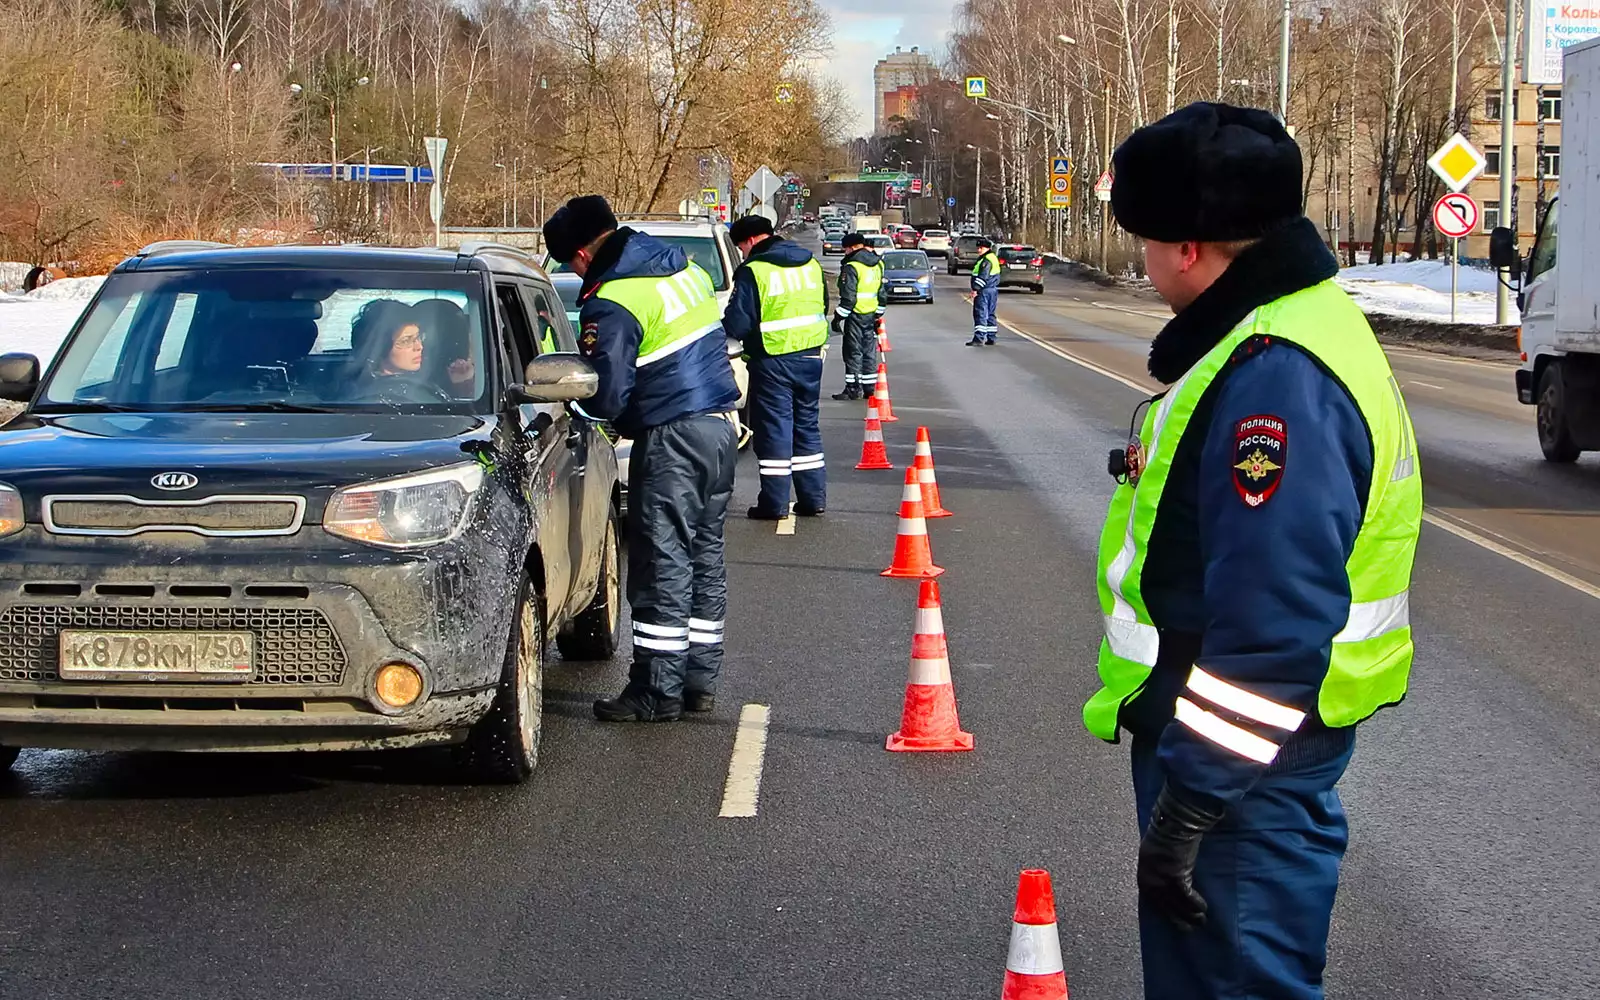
(905, 291)
(157, 656)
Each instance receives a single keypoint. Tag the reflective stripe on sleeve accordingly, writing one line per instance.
(1370, 619)
(1224, 733)
(1246, 703)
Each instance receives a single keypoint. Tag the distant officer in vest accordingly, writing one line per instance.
(651, 328)
(779, 310)
(1255, 563)
(860, 305)
(985, 294)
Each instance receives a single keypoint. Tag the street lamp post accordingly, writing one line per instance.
(1283, 66)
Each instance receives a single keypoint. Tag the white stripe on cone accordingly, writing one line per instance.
(1035, 950)
(930, 621)
(933, 673)
(913, 526)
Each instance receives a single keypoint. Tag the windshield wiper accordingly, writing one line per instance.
(276, 406)
(166, 408)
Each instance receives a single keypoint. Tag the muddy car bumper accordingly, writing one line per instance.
(324, 621)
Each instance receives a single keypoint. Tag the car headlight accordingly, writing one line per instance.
(11, 520)
(406, 512)
(924, 279)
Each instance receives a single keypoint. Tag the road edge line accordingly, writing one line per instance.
(742, 792)
(1464, 533)
(1522, 559)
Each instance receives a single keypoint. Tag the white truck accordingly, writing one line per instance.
(867, 224)
(1560, 296)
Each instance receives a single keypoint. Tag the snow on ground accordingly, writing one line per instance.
(12, 272)
(1420, 289)
(37, 323)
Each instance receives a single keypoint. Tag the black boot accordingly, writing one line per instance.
(850, 392)
(757, 513)
(633, 705)
(808, 510)
(975, 342)
(699, 701)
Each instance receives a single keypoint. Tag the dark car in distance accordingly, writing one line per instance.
(907, 276)
(303, 498)
(1021, 266)
(963, 255)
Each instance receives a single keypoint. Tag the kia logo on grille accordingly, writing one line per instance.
(175, 481)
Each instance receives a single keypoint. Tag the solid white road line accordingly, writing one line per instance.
(743, 789)
(1460, 531)
(1482, 541)
(1428, 385)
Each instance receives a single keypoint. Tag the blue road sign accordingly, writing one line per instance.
(950, 202)
(1060, 165)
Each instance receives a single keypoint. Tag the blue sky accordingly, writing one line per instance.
(864, 31)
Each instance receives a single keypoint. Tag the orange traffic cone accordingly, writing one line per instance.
(1033, 967)
(881, 394)
(913, 557)
(923, 463)
(883, 337)
(929, 721)
(873, 453)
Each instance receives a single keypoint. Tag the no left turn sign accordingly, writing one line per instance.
(1455, 215)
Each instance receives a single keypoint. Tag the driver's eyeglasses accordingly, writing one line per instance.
(409, 340)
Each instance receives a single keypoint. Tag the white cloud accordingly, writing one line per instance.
(863, 34)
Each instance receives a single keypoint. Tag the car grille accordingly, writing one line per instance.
(293, 645)
(213, 516)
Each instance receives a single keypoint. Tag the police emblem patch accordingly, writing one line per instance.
(591, 337)
(1260, 449)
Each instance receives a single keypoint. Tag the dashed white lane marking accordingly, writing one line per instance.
(1429, 385)
(1482, 541)
(1459, 530)
(743, 789)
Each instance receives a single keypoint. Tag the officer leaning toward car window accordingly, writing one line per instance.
(985, 294)
(860, 305)
(1254, 612)
(779, 310)
(651, 329)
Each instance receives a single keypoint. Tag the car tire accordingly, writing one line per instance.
(1038, 289)
(595, 632)
(1555, 439)
(502, 748)
(8, 756)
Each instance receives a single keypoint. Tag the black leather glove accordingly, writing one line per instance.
(1167, 855)
(837, 326)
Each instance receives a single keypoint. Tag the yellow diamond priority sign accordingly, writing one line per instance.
(1457, 162)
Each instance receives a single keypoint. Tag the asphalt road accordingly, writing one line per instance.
(1472, 870)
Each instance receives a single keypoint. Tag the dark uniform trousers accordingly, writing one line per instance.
(680, 479)
(861, 351)
(784, 394)
(1268, 873)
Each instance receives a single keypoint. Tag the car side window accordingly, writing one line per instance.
(550, 317)
(514, 320)
(1543, 257)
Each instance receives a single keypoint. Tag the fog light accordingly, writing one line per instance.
(398, 684)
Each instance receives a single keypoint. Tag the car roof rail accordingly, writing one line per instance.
(472, 248)
(180, 246)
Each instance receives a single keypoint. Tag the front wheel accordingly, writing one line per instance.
(1555, 440)
(596, 630)
(503, 747)
(1038, 289)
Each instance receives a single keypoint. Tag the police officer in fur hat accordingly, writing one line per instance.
(1264, 611)
(652, 329)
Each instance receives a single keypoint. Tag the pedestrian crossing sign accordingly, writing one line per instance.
(1060, 165)
(977, 87)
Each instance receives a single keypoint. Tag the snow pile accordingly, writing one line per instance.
(1420, 289)
(36, 326)
(79, 290)
(12, 273)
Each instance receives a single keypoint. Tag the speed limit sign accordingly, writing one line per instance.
(1455, 215)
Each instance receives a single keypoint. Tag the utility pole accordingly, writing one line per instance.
(1283, 65)
(977, 192)
(1105, 206)
(1508, 159)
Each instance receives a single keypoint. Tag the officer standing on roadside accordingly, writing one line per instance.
(1254, 613)
(779, 310)
(651, 329)
(985, 294)
(860, 283)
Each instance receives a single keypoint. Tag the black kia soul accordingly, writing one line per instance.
(303, 498)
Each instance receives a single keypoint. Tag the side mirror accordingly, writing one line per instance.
(19, 377)
(556, 378)
(1503, 249)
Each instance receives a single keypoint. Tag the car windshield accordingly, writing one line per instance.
(878, 240)
(905, 260)
(703, 251)
(242, 339)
